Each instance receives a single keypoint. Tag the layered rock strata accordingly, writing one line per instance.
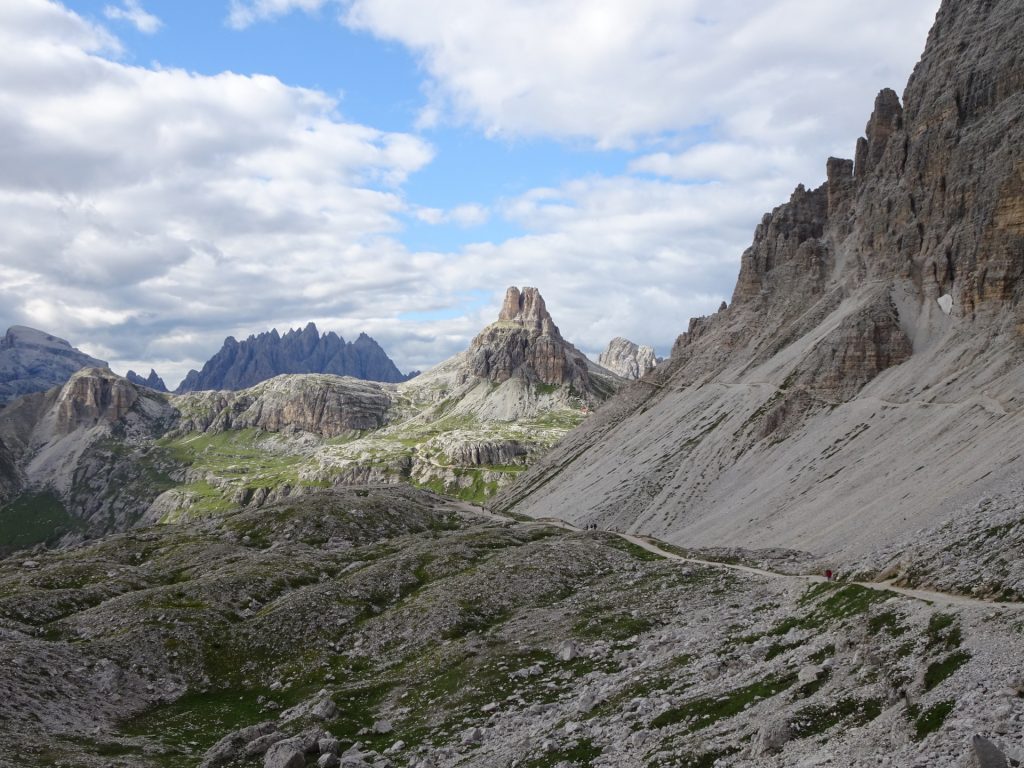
(525, 342)
(327, 406)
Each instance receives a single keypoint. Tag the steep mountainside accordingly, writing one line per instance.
(867, 379)
(629, 360)
(34, 361)
(103, 454)
(241, 364)
(152, 381)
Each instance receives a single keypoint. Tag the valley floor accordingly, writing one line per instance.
(423, 632)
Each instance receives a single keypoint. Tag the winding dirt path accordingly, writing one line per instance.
(936, 598)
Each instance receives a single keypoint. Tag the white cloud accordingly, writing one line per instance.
(468, 215)
(132, 12)
(244, 13)
(620, 71)
(139, 201)
(149, 213)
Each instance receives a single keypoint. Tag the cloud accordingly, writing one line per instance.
(132, 12)
(620, 72)
(142, 202)
(468, 215)
(244, 13)
(150, 212)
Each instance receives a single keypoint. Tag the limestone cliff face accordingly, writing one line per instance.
(93, 396)
(630, 361)
(328, 406)
(89, 444)
(872, 345)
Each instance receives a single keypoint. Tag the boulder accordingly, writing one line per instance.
(285, 754)
(236, 744)
(985, 754)
(772, 737)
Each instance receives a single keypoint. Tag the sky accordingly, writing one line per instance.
(176, 171)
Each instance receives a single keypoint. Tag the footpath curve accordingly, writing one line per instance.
(936, 598)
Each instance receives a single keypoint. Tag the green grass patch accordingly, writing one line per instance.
(698, 759)
(807, 690)
(943, 633)
(202, 718)
(475, 618)
(582, 754)
(824, 653)
(818, 718)
(633, 549)
(931, 719)
(703, 712)
(889, 621)
(34, 518)
(831, 603)
(940, 670)
(777, 649)
(611, 625)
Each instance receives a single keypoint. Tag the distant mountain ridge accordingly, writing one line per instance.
(103, 453)
(628, 359)
(34, 361)
(153, 381)
(242, 364)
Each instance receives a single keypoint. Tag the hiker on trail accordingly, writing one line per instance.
(828, 574)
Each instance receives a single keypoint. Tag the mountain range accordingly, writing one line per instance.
(241, 364)
(832, 461)
(103, 453)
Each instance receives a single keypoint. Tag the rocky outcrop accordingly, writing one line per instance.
(872, 343)
(328, 406)
(476, 453)
(628, 360)
(87, 447)
(35, 361)
(152, 381)
(865, 343)
(531, 635)
(93, 396)
(526, 343)
(242, 364)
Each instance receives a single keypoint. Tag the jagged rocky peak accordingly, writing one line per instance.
(628, 359)
(242, 364)
(885, 120)
(527, 308)
(153, 381)
(34, 361)
(526, 343)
